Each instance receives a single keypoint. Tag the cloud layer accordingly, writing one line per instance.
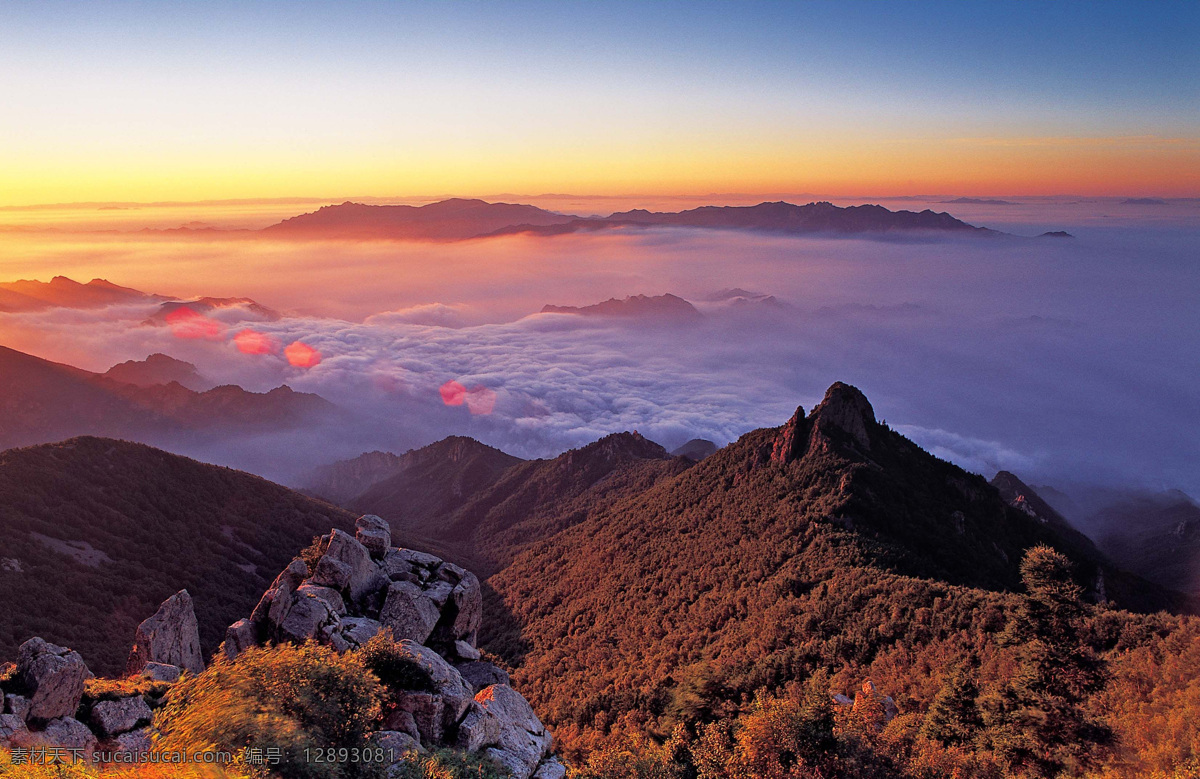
(1060, 360)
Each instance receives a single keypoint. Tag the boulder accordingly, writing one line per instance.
(239, 637)
(406, 563)
(551, 769)
(331, 598)
(347, 564)
(305, 618)
(523, 741)
(12, 730)
(466, 651)
(447, 682)
(162, 672)
(467, 601)
(396, 743)
(68, 733)
(481, 674)
(408, 612)
(139, 740)
(401, 720)
(111, 718)
(428, 712)
(374, 533)
(477, 730)
(53, 677)
(17, 705)
(359, 630)
(439, 592)
(170, 636)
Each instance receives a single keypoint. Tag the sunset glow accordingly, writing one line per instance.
(301, 355)
(386, 100)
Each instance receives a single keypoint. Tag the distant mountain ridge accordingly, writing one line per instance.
(43, 401)
(462, 219)
(62, 292)
(666, 306)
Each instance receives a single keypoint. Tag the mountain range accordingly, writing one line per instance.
(630, 591)
(460, 219)
(62, 292)
(43, 401)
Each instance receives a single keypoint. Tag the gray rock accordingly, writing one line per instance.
(466, 651)
(305, 619)
(162, 672)
(139, 740)
(12, 730)
(359, 630)
(332, 598)
(408, 612)
(842, 700)
(428, 712)
(523, 740)
(112, 718)
(397, 743)
(477, 730)
(510, 762)
(346, 565)
(439, 592)
(447, 681)
(331, 636)
(467, 600)
(170, 636)
(409, 561)
(17, 705)
(239, 637)
(53, 676)
(68, 733)
(286, 582)
(374, 533)
(481, 674)
(401, 720)
(551, 769)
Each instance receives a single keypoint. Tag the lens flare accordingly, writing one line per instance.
(187, 323)
(253, 342)
(301, 355)
(481, 400)
(453, 393)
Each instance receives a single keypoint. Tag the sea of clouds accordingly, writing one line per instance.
(1072, 359)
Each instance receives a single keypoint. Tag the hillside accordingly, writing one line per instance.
(60, 291)
(487, 506)
(831, 542)
(97, 532)
(42, 401)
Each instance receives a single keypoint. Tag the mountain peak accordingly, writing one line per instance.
(845, 409)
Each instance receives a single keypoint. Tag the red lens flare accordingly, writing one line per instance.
(186, 323)
(301, 355)
(253, 342)
(481, 400)
(453, 393)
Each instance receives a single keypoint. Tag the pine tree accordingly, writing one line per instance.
(1037, 721)
(953, 717)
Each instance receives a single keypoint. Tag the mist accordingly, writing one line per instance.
(1062, 360)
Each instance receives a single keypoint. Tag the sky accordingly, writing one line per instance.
(157, 101)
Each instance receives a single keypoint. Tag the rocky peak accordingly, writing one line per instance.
(618, 446)
(843, 416)
(846, 410)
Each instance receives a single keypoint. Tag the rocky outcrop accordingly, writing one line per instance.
(52, 679)
(111, 718)
(171, 637)
(360, 585)
(844, 418)
(354, 591)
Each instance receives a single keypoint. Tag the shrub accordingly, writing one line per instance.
(292, 698)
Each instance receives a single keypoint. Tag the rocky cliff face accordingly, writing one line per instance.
(352, 588)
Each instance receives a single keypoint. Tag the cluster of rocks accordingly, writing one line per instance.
(360, 585)
(44, 702)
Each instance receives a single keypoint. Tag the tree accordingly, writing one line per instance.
(1037, 722)
(953, 717)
